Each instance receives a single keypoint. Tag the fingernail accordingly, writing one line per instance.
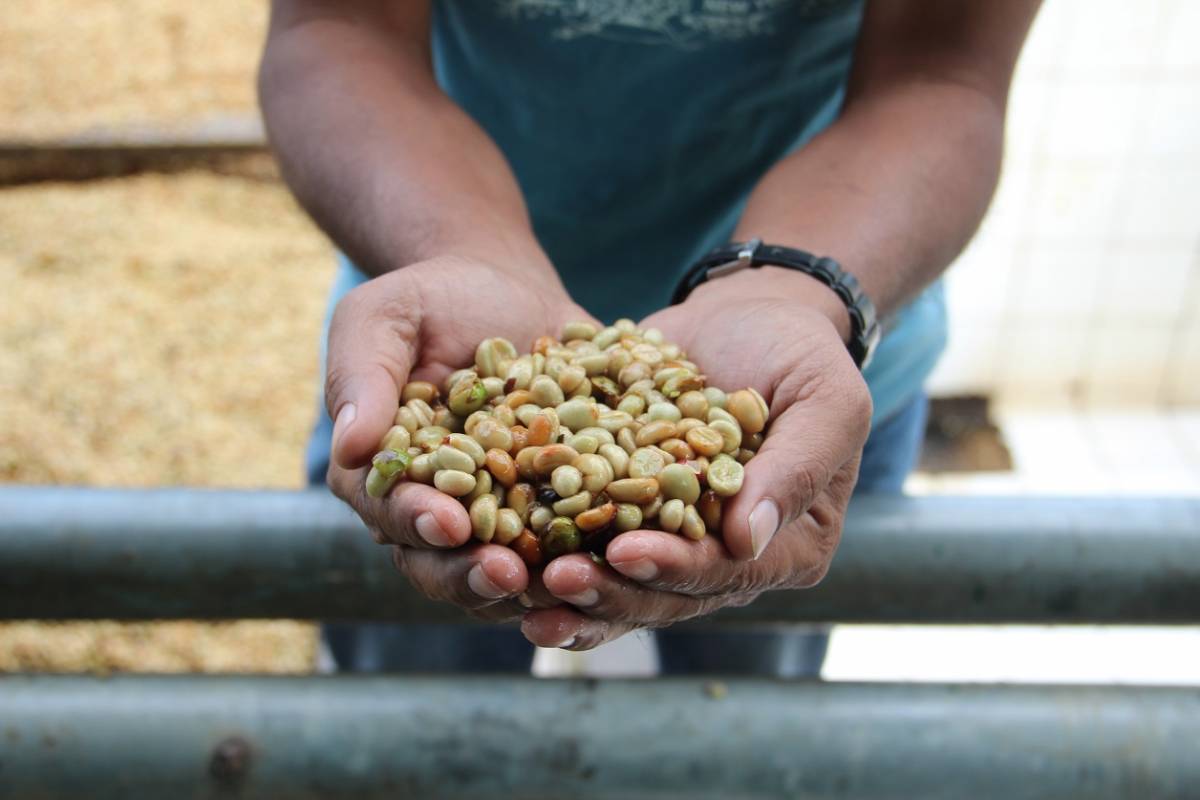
(524, 599)
(642, 569)
(344, 418)
(566, 643)
(588, 597)
(764, 521)
(482, 585)
(429, 530)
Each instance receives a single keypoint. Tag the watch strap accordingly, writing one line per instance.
(734, 257)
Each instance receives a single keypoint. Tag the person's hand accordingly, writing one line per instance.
(421, 323)
(778, 332)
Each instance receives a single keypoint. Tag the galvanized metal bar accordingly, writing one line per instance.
(179, 553)
(488, 737)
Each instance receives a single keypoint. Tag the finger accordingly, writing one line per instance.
(672, 564)
(823, 427)
(473, 577)
(570, 630)
(601, 593)
(411, 514)
(371, 348)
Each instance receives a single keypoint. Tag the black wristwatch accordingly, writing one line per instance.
(864, 327)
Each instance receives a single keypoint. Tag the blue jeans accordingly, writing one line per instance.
(890, 454)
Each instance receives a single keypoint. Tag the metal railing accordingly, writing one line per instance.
(91, 554)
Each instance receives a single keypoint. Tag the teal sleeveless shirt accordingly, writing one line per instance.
(637, 129)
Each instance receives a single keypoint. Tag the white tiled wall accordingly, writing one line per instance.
(1083, 285)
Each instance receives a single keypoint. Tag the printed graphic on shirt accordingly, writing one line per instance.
(682, 23)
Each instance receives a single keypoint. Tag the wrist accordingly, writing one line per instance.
(787, 285)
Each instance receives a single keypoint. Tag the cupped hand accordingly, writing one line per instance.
(421, 323)
(778, 332)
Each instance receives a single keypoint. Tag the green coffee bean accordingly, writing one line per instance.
(647, 354)
(386, 468)
(678, 481)
(421, 390)
(606, 337)
(453, 482)
(715, 397)
(593, 364)
(491, 356)
(489, 433)
(632, 404)
(421, 410)
(705, 441)
(406, 419)
(539, 518)
(561, 537)
(521, 498)
(692, 525)
(552, 456)
(599, 434)
(423, 468)
(693, 405)
(633, 490)
(578, 414)
(581, 443)
(397, 438)
(467, 397)
(677, 385)
(625, 325)
(504, 415)
(573, 505)
(463, 442)
(449, 457)
(628, 517)
(483, 485)
(725, 476)
(566, 480)
(430, 438)
(634, 373)
(645, 463)
(749, 408)
(508, 526)
(652, 335)
(664, 411)
(710, 509)
(626, 440)
(451, 422)
(571, 377)
(519, 374)
(597, 473)
(483, 513)
(617, 458)
(655, 432)
(459, 375)
(546, 391)
(578, 330)
(730, 433)
(670, 516)
(650, 510)
(605, 390)
(494, 386)
(614, 421)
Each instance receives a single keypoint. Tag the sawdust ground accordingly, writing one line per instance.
(71, 67)
(158, 331)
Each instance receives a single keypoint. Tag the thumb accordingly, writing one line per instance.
(372, 346)
(806, 446)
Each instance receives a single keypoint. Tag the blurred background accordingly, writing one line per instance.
(163, 297)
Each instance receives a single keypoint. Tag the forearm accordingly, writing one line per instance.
(893, 190)
(386, 164)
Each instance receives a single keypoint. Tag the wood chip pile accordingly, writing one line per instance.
(71, 67)
(158, 331)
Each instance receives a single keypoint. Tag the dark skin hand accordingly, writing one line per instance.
(893, 189)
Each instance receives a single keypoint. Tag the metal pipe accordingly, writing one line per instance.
(362, 737)
(187, 553)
